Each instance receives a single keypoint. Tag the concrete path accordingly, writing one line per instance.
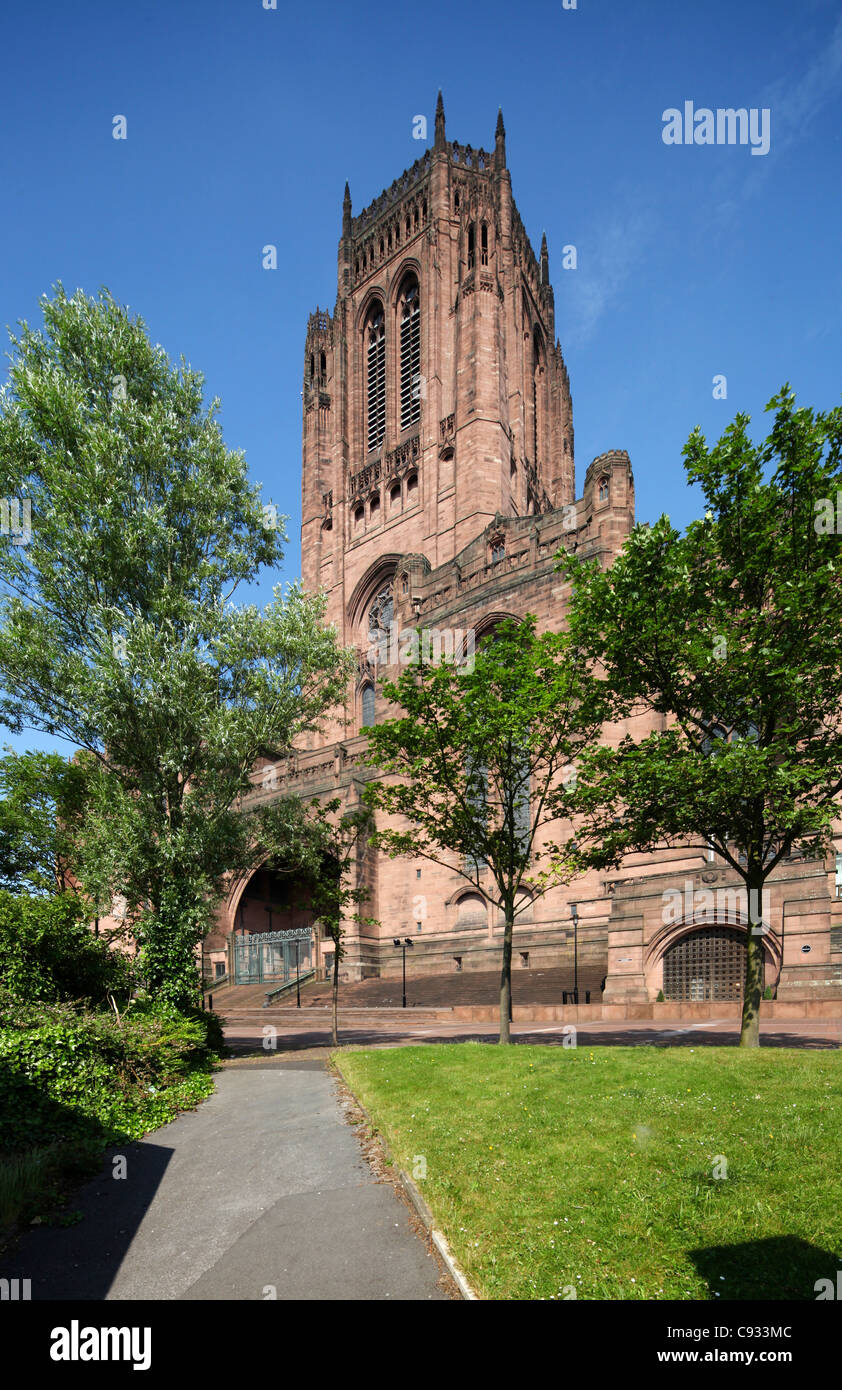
(262, 1192)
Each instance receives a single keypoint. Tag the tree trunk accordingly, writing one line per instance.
(506, 977)
(750, 1031)
(335, 994)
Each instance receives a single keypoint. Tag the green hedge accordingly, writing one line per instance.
(61, 1073)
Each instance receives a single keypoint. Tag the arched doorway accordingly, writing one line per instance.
(709, 963)
(274, 937)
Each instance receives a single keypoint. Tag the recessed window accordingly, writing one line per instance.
(376, 377)
(484, 245)
(412, 488)
(395, 498)
(374, 509)
(410, 315)
(471, 252)
(359, 518)
(367, 703)
(603, 489)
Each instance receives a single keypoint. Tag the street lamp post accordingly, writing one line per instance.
(402, 945)
(574, 913)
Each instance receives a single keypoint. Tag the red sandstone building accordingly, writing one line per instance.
(438, 484)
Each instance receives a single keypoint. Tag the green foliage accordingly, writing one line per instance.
(117, 625)
(482, 759)
(659, 998)
(734, 632)
(42, 803)
(47, 952)
(69, 1076)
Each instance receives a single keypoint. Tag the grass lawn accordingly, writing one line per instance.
(551, 1169)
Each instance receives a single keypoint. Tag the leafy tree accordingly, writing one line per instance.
(482, 759)
(734, 632)
(118, 629)
(47, 951)
(42, 804)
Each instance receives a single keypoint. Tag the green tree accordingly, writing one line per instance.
(118, 629)
(482, 760)
(734, 632)
(42, 805)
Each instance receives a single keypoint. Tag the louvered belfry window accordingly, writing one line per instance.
(376, 379)
(410, 356)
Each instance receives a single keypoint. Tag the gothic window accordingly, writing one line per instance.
(395, 498)
(456, 200)
(312, 366)
(498, 549)
(359, 518)
(380, 614)
(367, 704)
(410, 355)
(411, 489)
(537, 396)
(484, 245)
(471, 247)
(603, 489)
(374, 510)
(323, 365)
(376, 377)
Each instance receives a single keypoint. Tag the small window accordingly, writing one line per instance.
(603, 489)
(395, 498)
(412, 488)
(456, 200)
(457, 961)
(498, 551)
(405, 590)
(312, 366)
(524, 959)
(374, 509)
(368, 704)
(323, 365)
(359, 518)
(471, 247)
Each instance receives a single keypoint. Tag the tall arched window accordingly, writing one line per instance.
(375, 335)
(367, 706)
(471, 247)
(484, 245)
(537, 395)
(410, 312)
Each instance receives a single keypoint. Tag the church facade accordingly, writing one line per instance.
(438, 485)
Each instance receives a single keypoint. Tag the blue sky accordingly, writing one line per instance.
(244, 123)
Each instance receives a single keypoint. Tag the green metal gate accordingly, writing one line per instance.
(272, 955)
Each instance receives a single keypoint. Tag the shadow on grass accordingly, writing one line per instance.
(68, 1241)
(784, 1267)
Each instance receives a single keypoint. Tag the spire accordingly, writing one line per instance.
(346, 211)
(545, 261)
(440, 141)
(500, 141)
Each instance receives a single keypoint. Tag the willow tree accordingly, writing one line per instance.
(118, 626)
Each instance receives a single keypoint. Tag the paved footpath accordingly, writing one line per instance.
(263, 1187)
